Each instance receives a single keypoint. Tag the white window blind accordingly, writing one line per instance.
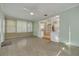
(29, 26)
(21, 26)
(10, 26)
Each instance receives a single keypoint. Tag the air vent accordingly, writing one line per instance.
(45, 15)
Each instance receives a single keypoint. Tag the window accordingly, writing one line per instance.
(18, 26)
(21, 26)
(29, 26)
(11, 26)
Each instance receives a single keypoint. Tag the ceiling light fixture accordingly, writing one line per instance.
(24, 8)
(31, 13)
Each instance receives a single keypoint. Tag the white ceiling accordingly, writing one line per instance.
(17, 9)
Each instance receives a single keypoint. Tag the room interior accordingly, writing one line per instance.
(39, 29)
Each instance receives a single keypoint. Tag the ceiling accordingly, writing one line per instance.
(23, 10)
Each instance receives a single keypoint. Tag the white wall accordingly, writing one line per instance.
(2, 27)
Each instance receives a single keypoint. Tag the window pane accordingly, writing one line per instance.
(21, 26)
(11, 26)
(29, 26)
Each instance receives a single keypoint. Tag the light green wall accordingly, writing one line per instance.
(36, 28)
(71, 17)
(67, 17)
(64, 27)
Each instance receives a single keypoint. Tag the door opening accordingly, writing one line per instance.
(49, 29)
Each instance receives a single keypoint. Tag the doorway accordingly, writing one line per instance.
(45, 30)
(49, 29)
